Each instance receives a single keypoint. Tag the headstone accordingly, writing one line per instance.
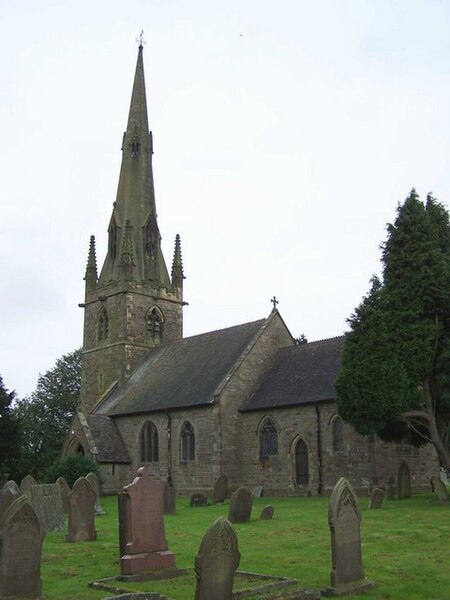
(344, 519)
(439, 489)
(170, 502)
(8, 494)
(377, 497)
(64, 488)
(95, 484)
(26, 483)
(220, 489)
(241, 502)
(444, 476)
(391, 491)
(403, 482)
(257, 491)
(216, 562)
(46, 501)
(198, 500)
(267, 512)
(142, 536)
(21, 547)
(81, 513)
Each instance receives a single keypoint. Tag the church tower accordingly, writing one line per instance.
(134, 304)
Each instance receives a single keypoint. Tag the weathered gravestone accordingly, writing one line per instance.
(216, 562)
(8, 494)
(439, 489)
(267, 512)
(220, 489)
(198, 500)
(257, 491)
(46, 501)
(443, 476)
(64, 488)
(95, 484)
(344, 519)
(241, 503)
(21, 538)
(81, 513)
(142, 538)
(403, 482)
(26, 483)
(391, 491)
(377, 497)
(169, 500)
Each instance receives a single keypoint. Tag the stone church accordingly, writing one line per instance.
(247, 401)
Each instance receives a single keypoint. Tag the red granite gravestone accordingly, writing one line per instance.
(142, 536)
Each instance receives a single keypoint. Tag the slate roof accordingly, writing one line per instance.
(107, 439)
(181, 374)
(300, 375)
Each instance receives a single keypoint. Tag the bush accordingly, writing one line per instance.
(71, 468)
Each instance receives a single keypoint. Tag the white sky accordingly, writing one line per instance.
(285, 134)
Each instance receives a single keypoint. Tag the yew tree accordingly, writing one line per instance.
(395, 376)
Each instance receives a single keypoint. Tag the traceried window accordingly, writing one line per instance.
(187, 443)
(149, 443)
(268, 440)
(154, 325)
(103, 326)
(338, 434)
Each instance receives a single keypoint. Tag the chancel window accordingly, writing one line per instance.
(154, 325)
(187, 443)
(103, 326)
(268, 440)
(338, 434)
(149, 443)
(301, 463)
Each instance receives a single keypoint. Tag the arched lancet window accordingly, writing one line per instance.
(154, 325)
(103, 326)
(268, 439)
(187, 443)
(149, 443)
(338, 434)
(301, 463)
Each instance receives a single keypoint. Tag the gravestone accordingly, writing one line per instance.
(141, 526)
(403, 482)
(8, 494)
(391, 491)
(81, 512)
(257, 491)
(198, 500)
(170, 502)
(439, 489)
(46, 501)
(95, 484)
(220, 489)
(21, 538)
(377, 497)
(444, 477)
(64, 488)
(344, 519)
(267, 512)
(241, 502)
(216, 562)
(26, 483)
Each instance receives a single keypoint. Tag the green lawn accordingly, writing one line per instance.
(405, 549)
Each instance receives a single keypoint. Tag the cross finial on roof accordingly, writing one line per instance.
(274, 302)
(141, 39)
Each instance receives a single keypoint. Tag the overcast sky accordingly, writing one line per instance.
(285, 134)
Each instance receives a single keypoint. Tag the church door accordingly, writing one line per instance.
(301, 463)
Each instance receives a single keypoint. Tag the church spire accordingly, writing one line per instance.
(135, 201)
(91, 276)
(177, 265)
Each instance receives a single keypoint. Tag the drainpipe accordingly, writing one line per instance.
(319, 452)
(169, 449)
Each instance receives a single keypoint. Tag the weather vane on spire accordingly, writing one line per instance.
(141, 39)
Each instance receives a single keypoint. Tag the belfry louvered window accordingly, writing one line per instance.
(149, 443)
(268, 440)
(187, 443)
(154, 325)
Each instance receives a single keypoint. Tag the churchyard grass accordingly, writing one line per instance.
(404, 545)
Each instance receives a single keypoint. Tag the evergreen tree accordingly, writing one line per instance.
(45, 415)
(9, 432)
(395, 378)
